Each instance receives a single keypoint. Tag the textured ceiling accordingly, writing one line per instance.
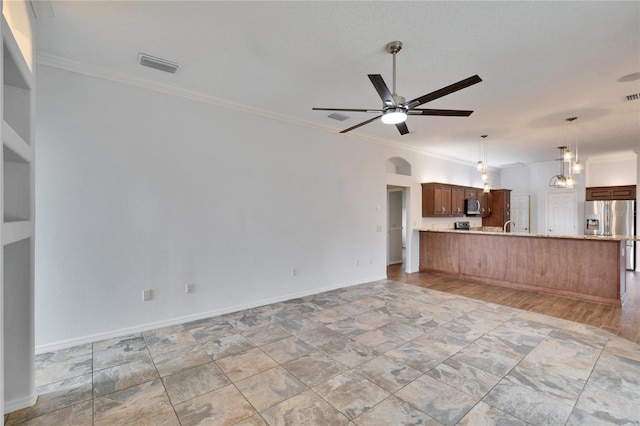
(540, 62)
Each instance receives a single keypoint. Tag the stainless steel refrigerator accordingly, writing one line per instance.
(613, 218)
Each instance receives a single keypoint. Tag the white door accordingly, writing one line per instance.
(520, 213)
(394, 227)
(561, 213)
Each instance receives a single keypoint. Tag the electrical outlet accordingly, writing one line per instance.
(188, 288)
(294, 272)
(147, 295)
(357, 262)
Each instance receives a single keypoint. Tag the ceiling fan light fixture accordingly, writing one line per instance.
(394, 116)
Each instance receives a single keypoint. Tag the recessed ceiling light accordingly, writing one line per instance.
(158, 63)
(629, 77)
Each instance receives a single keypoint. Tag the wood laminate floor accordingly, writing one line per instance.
(623, 321)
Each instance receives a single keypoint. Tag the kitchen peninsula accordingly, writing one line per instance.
(583, 267)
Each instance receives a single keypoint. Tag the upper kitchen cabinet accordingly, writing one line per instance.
(444, 200)
(485, 203)
(457, 201)
(436, 199)
(500, 208)
(626, 192)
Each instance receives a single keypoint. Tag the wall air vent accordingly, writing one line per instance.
(633, 97)
(158, 63)
(339, 117)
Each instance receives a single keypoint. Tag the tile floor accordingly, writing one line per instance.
(383, 353)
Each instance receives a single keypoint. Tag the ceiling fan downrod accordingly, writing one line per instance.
(393, 48)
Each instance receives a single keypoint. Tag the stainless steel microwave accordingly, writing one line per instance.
(471, 206)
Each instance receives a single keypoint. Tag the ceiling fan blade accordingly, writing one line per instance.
(360, 124)
(402, 128)
(347, 109)
(443, 92)
(444, 112)
(383, 90)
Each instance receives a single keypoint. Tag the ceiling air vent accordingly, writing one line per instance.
(158, 63)
(339, 117)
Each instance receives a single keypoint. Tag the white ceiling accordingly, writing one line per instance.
(540, 62)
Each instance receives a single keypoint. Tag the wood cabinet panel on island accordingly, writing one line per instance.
(595, 270)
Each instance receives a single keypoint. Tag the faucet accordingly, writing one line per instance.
(504, 228)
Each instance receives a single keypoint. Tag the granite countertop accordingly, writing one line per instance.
(524, 234)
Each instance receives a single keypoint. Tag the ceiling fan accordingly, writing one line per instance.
(395, 109)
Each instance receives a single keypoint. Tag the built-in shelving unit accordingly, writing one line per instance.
(17, 232)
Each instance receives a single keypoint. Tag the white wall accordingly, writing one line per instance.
(611, 170)
(138, 189)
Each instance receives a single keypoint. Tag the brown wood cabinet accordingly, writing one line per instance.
(457, 201)
(485, 203)
(436, 200)
(500, 208)
(444, 200)
(626, 192)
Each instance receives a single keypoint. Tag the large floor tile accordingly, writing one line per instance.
(388, 373)
(123, 376)
(231, 344)
(112, 352)
(484, 414)
(224, 406)
(314, 368)
(270, 387)
(286, 350)
(194, 382)
(437, 399)
(351, 394)
(180, 359)
(304, 409)
(55, 396)
(468, 379)
(131, 404)
(80, 414)
(394, 411)
(238, 367)
(56, 366)
(528, 405)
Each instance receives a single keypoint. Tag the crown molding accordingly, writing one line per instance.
(82, 68)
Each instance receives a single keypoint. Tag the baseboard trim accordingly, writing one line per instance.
(64, 344)
(20, 403)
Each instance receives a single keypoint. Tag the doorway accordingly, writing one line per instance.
(520, 213)
(561, 213)
(396, 225)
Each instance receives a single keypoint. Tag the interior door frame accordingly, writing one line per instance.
(406, 219)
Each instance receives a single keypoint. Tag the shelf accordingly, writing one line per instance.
(15, 149)
(17, 191)
(16, 231)
(16, 70)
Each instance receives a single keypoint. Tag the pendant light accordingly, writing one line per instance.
(577, 166)
(480, 163)
(485, 177)
(562, 181)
